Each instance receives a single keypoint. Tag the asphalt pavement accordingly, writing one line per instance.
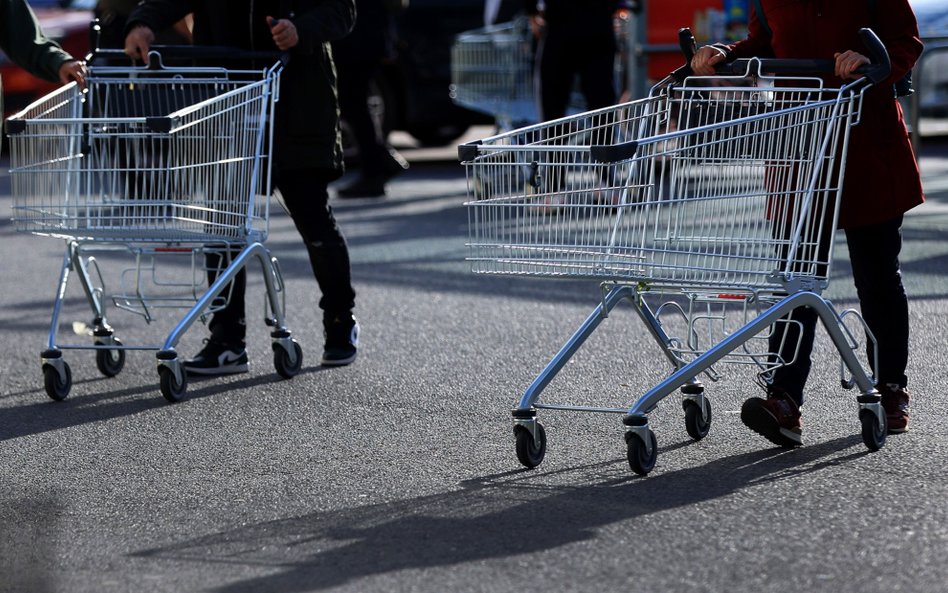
(398, 473)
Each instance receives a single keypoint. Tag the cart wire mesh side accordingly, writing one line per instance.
(158, 162)
(492, 72)
(721, 190)
(145, 158)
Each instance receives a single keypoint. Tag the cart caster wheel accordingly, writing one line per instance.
(281, 360)
(530, 453)
(57, 388)
(640, 461)
(110, 362)
(873, 435)
(170, 387)
(696, 426)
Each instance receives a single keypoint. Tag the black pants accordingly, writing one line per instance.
(354, 80)
(564, 58)
(874, 255)
(306, 198)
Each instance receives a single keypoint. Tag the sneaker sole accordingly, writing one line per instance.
(337, 362)
(761, 421)
(897, 430)
(230, 370)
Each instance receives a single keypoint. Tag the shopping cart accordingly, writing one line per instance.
(492, 72)
(710, 205)
(161, 164)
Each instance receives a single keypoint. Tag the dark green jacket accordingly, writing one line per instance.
(23, 41)
(307, 120)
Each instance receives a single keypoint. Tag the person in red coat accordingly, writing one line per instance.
(881, 183)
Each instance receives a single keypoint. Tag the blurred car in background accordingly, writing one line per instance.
(931, 82)
(64, 21)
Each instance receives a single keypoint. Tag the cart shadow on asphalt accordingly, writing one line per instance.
(483, 519)
(45, 415)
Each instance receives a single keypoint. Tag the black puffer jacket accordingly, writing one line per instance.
(307, 121)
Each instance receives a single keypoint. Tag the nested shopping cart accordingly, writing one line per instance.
(710, 205)
(492, 73)
(157, 164)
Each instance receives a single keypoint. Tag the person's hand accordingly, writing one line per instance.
(73, 70)
(706, 58)
(847, 63)
(284, 33)
(537, 25)
(138, 41)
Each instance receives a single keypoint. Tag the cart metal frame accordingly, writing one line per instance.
(157, 162)
(721, 191)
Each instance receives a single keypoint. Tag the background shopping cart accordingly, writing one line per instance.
(156, 163)
(715, 197)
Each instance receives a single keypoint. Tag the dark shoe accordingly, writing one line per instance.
(895, 402)
(342, 338)
(218, 359)
(395, 164)
(363, 187)
(776, 418)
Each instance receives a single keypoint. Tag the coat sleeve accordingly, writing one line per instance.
(897, 28)
(158, 15)
(755, 45)
(328, 21)
(25, 44)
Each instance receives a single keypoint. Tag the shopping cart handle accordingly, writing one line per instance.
(876, 71)
(196, 52)
(613, 153)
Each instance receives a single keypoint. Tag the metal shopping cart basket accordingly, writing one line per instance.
(492, 72)
(159, 163)
(719, 194)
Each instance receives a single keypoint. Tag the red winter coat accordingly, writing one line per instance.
(882, 179)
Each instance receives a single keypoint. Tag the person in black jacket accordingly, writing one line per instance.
(359, 57)
(307, 152)
(576, 39)
(29, 48)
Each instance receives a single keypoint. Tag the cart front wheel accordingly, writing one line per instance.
(110, 362)
(529, 452)
(281, 360)
(170, 387)
(697, 426)
(640, 460)
(873, 435)
(56, 387)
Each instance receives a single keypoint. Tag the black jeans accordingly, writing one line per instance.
(874, 255)
(564, 58)
(354, 80)
(306, 198)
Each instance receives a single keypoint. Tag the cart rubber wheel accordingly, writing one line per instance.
(170, 388)
(872, 434)
(640, 461)
(281, 361)
(57, 388)
(530, 453)
(110, 362)
(696, 426)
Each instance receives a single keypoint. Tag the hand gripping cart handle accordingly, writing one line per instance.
(709, 205)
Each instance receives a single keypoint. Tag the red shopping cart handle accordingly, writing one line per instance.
(876, 71)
